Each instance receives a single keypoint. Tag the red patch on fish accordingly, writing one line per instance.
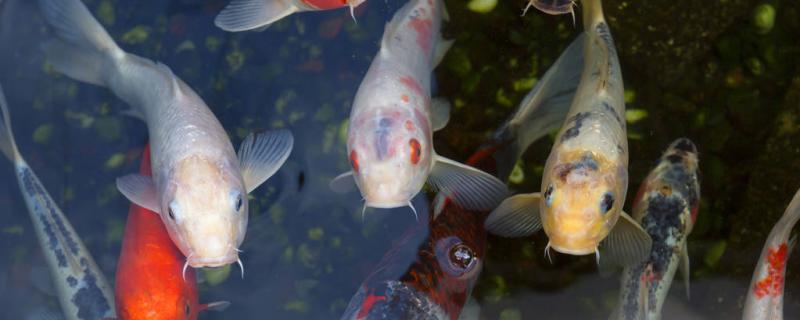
(423, 28)
(369, 301)
(772, 284)
(404, 98)
(412, 84)
(326, 4)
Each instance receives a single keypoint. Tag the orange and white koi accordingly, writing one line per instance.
(390, 137)
(83, 291)
(199, 185)
(243, 15)
(765, 294)
(666, 207)
(586, 175)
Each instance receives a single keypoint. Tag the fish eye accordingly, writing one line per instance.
(170, 213)
(187, 310)
(548, 195)
(239, 202)
(455, 257)
(354, 160)
(606, 203)
(416, 150)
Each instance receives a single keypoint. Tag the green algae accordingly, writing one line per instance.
(137, 35)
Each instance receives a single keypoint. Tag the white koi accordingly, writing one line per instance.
(390, 137)
(765, 293)
(199, 187)
(666, 207)
(83, 291)
(586, 175)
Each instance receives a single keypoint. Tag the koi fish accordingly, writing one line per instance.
(150, 281)
(390, 137)
(83, 291)
(553, 7)
(199, 187)
(666, 207)
(438, 282)
(765, 294)
(586, 175)
(243, 15)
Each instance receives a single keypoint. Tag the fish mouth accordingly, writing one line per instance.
(392, 300)
(386, 204)
(573, 251)
(211, 262)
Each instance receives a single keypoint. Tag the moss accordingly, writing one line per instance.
(139, 34)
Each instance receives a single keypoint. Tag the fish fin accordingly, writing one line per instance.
(470, 188)
(439, 203)
(41, 280)
(605, 267)
(440, 113)
(445, 14)
(471, 310)
(83, 45)
(517, 216)
(215, 306)
(441, 50)
(684, 266)
(140, 190)
(627, 243)
(262, 154)
(243, 15)
(543, 109)
(7, 144)
(133, 113)
(343, 183)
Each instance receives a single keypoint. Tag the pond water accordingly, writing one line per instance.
(712, 72)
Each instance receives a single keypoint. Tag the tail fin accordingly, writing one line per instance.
(7, 144)
(243, 15)
(83, 43)
(543, 109)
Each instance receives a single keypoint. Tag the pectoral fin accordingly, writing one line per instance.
(215, 306)
(343, 183)
(468, 187)
(517, 216)
(242, 15)
(140, 190)
(262, 154)
(440, 113)
(627, 243)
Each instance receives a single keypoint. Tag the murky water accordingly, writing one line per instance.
(716, 77)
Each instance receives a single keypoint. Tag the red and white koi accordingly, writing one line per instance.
(765, 293)
(666, 207)
(199, 186)
(243, 15)
(390, 137)
(586, 175)
(83, 291)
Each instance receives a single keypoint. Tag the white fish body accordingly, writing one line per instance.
(243, 15)
(83, 291)
(586, 175)
(198, 186)
(765, 293)
(390, 137)
(666, 207)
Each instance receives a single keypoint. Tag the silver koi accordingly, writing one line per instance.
(765, 293)
(666, 207)
(390, 137)
(199, 186)
(83, 291)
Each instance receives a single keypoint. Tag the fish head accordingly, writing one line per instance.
(582, 199)
(204, 208)
(391, 154)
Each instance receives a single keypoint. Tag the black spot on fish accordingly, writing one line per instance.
(685, 145)
(587, 161)
(573, 131)
(605, 34)
(72, 245)
(72, 281)
(607, 107)
(33, 189)
(630, 302)
(674, 158)
(662, 222)
(89, 299)
(620, 148)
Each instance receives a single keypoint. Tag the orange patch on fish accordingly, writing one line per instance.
(423, 29)
(772, 284)
(404, 98)
(412, 84)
